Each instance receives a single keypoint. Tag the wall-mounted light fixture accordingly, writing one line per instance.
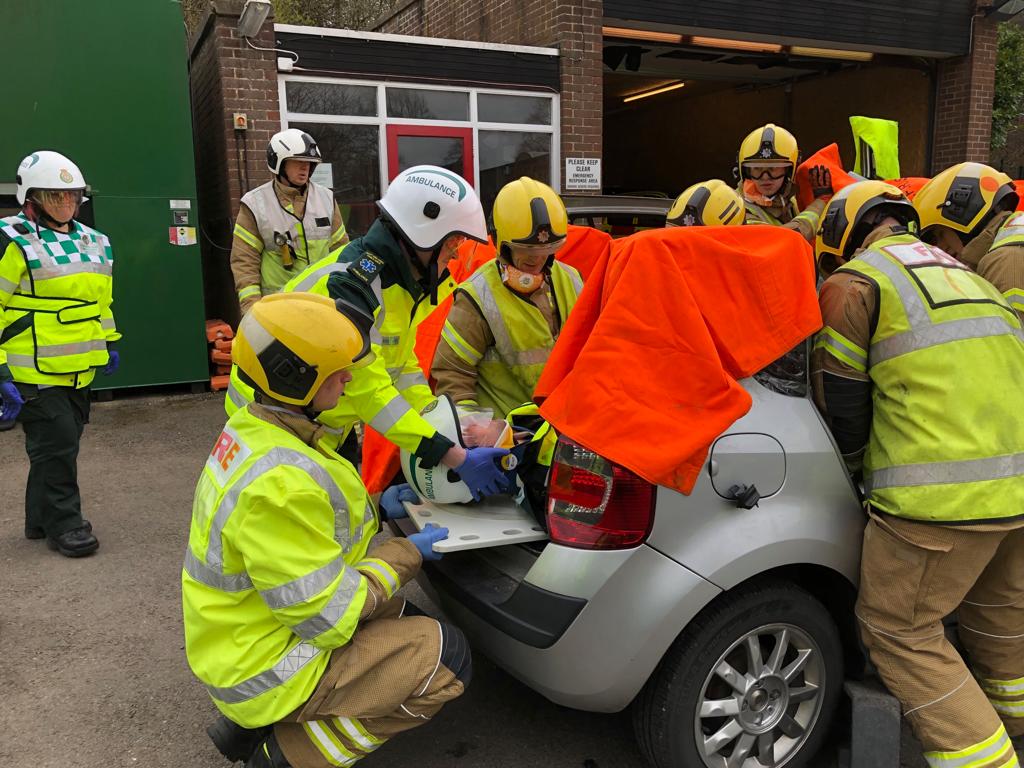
(828, 53)
(735, 45)
(642, 34)
(254, 13)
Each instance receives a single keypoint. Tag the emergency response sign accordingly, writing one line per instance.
(583, 173)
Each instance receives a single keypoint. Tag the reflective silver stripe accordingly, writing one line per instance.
(535, 356)
(211, 577)
(970, 756)
(845, 349)
(378, 321)
(941, 333)
(462, 349)
(75, 268)
(1006, 687)
(387, 579)
(279, 674)
(21, 361)
(574, 277)
(317, 275)
(76, 348)
(107, 324)
(390, 341)
(7, 286)
(1015, 300)
(394, 373)
(923, 332)
(407, 380)
(492, 314)
(303, 588)
(942, 472)
(1015, 233)
(270, 460)
(389, 415)
(235, 395)
(335, 609)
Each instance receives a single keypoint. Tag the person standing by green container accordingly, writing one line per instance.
(56, 330)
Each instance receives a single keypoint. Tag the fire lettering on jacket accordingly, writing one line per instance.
(227, 455)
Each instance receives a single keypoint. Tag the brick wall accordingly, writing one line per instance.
(228, 76)
(573, 26)
(963, 104)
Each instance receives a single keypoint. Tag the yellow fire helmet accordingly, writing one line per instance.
(769, 146)
(528, 212)
(964, 197)
(289, 343)
(846, 220)
(711, 203)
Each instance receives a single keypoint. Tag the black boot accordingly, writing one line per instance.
(77, 542)
(268, 755)
(33, 532)
(235, 742)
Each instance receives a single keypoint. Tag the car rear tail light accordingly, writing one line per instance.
(595, 504)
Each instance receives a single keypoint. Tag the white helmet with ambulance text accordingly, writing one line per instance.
(428, 204)
(47, 170)
(439, 484)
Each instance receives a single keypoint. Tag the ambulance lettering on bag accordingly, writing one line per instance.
(228, 454)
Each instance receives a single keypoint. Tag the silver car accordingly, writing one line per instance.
(724, 617)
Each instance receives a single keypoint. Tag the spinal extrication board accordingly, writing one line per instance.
(494, 522)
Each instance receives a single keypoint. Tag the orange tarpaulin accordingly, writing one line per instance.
(583, 248)
(829, 157)
(1019, 186)
(686, 312)
(909, 185)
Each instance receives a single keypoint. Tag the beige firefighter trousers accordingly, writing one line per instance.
(912, 576)
(387, 679)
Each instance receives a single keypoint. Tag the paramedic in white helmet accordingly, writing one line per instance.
(285, 225)
(393, 274)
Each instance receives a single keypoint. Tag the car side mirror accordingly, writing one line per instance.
(746, 467)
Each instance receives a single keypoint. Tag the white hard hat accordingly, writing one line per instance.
(294, 144)
(47, 170)
(440, 484)
(428, 203)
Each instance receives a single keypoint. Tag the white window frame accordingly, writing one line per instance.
(382, 121)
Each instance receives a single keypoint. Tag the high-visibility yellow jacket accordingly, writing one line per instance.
(55, 302)
(508, 370)
(276, 571)
(389, 393)
(946, 360)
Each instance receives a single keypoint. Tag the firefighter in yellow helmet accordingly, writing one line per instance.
(506, 317)
(914, 371)
(291, 621)
(969, 211)
(766, 165)
(711, 203)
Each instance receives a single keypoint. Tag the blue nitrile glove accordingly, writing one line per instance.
(10, 401)
(391, 506)
(480, 471)
(113, 363)
(425, 540)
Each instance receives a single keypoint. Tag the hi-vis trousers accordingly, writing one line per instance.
(912, 576)
(395, 674)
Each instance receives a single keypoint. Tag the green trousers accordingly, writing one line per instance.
(53, 419)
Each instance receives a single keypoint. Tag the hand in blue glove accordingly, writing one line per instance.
(10, 401)
(113, 363)
(480, 471)
(391, 506)
(425, 540)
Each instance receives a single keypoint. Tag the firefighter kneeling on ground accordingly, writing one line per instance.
(918, 370)
(291, 622)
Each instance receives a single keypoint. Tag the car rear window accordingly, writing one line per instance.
(618, 224)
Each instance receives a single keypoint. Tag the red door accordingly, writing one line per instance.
(450, 148)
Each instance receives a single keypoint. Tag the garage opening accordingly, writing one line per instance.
(676, 107)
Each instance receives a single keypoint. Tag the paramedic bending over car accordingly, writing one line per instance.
(506, 317)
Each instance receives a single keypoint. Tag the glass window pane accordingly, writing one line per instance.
(445, 151)
(331, 98)
(427, 105)
(507, 155)
(527, 110)
(352, 152)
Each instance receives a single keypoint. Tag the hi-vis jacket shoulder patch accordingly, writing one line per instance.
(228, 454)
(367, 268)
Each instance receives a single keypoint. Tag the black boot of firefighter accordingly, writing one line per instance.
(235, 742)
(268, 755)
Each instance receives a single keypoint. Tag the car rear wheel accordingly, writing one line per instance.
(753, 682)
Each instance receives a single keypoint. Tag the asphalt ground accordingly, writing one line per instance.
(94, 672)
